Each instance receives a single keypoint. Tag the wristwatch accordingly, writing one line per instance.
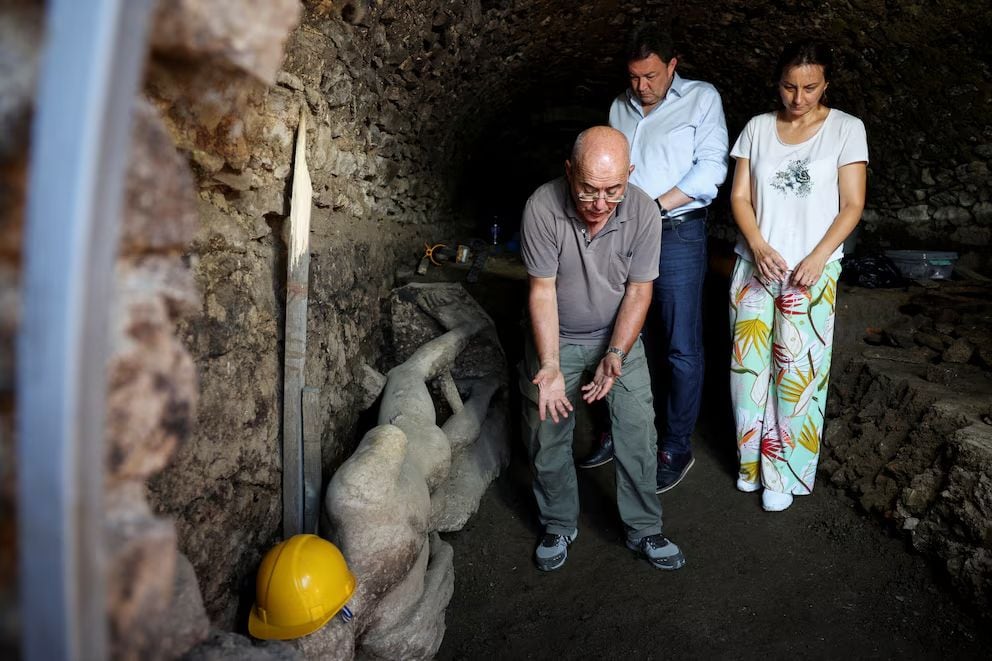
(618, 351)
(663, 210)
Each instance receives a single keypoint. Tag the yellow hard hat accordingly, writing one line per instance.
(302, 582)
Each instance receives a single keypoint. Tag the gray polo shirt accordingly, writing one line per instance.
(591, 275)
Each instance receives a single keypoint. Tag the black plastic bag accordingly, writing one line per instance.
(873, 271)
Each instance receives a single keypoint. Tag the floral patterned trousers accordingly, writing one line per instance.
(783, 336)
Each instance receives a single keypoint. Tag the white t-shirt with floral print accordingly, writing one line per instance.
(794, 187)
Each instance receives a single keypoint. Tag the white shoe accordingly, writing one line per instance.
(747, 487)
(773, 501)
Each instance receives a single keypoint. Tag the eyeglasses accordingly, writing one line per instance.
(592, 197)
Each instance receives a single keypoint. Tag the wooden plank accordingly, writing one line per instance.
(294, 359)
(312, 475)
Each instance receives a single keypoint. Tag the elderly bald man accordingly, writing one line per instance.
(591, 243)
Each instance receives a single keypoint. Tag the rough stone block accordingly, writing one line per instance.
(954, 215)
(960, 351)
(983, 213)
(914, 214)
(245, 34)
(160, 203)
(141, 567)
(933, 341)
(152, 388)
(308, 52)
(372, 382)
(894, 354)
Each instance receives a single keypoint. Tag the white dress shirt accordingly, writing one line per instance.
(681, 143)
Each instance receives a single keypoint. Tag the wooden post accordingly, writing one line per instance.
(294, 359)
(311, 459)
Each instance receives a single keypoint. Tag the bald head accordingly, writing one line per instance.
(601, 145)
(597, 173)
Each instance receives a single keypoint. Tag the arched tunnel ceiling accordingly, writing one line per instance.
(531, 73)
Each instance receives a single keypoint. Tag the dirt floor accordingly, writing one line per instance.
(818, 581)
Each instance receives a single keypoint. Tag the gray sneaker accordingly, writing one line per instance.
(553, 549)
(659, 551)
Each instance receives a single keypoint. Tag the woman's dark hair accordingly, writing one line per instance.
(806, 51)
(647, 40)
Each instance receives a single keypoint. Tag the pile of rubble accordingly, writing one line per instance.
(944, 326)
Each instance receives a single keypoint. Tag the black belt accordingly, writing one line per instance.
(671, 223)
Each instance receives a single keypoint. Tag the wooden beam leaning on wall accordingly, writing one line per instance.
(294, 360)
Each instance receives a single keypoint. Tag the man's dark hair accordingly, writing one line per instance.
(806, 51)
(647, 40)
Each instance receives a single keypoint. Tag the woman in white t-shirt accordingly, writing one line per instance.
(799, 190)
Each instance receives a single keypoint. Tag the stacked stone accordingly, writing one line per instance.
(937, 205)
(155, 606)
(911, 434)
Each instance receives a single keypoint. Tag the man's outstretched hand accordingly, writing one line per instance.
(552, 401)
(606, 375)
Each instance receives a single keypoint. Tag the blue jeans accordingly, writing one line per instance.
(677, 331)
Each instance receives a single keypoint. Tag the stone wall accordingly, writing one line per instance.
(916, 73)
(381, 150)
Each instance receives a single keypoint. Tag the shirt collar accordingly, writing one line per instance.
(677, 86)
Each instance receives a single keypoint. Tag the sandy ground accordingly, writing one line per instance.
(818, 581)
